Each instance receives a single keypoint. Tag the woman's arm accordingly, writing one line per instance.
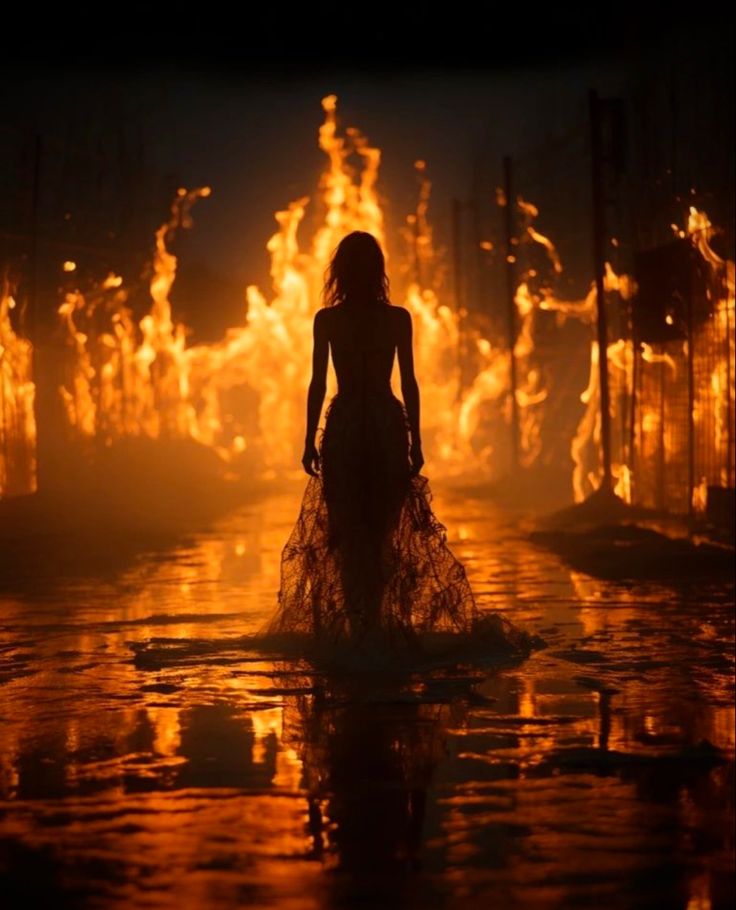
(316, 394)
(409, 388)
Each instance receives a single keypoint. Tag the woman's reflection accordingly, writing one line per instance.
(368, 763)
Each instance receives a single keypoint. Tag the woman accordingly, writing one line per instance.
(367, 562)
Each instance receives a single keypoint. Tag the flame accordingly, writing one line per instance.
(17, 393)
(623, 477)
(530, 391)
(178, 390)
(715, 396)
(709, 355)
(663, 423)
(132, 380)
(585, 446)
(548, 245)
(145, 378)
(701, 231)
(648, 355)
(700, 495)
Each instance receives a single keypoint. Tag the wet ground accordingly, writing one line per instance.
(148, 758)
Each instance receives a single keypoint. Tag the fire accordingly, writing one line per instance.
(131, 380)
(350, 205)
(663, 441)
(715, 394)
(700, 496)
(585, 446)
(176, 390)
(17, 392)
(531, 391)
(648, 355)
(243, 397)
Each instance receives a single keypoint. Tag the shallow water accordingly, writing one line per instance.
(148, 758)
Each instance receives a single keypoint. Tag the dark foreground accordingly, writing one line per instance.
(149, 759)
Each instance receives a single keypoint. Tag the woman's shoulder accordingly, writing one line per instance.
(324, 315)
(400, 316)
(398, 312)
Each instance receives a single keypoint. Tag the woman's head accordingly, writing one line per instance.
(357, 271)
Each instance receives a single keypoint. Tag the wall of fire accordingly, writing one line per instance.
(671, 353)
(683, 387)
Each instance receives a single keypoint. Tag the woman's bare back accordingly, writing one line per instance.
(363, 341)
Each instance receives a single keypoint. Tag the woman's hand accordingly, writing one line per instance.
(416, 458)
(310, 459)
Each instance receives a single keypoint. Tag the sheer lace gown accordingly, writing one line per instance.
(367, 559)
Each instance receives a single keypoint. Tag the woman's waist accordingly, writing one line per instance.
(351, 392)
(374, 404)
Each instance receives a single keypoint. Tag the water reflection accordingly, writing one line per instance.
(148, 756)
(368, 764)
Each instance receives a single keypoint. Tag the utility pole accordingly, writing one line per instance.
(511, 306)
(34, 321)
(417, 255)
(457, 266)
(599, 234)
(690, 400)
(458, 290)
(33, 246)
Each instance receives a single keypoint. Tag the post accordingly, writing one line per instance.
(511, 306)
(417, 238)
(661, 452)
(33, 248)
(34, 327)
(457, 280)
(599, 264)
(631, 453)
(729, 380)
(481, 293)
(457, 272)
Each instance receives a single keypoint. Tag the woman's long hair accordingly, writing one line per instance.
(357, 272)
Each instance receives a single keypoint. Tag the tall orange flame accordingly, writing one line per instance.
(17, 391)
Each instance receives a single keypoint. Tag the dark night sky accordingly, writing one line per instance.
(241, 113)
(254, 139)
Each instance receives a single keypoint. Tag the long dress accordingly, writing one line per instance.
(367, 553)
(367, 558)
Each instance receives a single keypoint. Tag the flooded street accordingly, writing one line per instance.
(148, 758)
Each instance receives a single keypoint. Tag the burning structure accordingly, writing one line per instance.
(17, 416)
(670, 370)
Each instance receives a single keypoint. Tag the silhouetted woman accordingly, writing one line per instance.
(367, 560)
